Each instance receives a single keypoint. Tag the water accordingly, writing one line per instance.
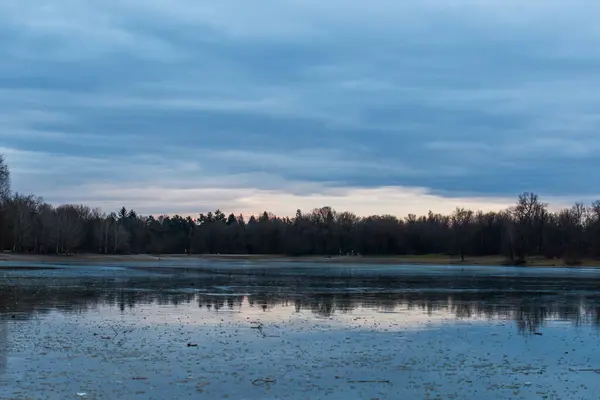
(246, 330)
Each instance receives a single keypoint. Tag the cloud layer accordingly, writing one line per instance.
(195, 105)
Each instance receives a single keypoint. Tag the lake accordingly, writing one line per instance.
(180, 329)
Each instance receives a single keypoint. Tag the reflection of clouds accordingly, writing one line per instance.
(389, 303)
(401, 313)
(248, 313)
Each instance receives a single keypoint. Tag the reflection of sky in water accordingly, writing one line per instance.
(398, 318)
(366, 315)
(433, 333)
(384, 296)
(141, 352)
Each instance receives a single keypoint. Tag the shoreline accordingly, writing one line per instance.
(383, 260)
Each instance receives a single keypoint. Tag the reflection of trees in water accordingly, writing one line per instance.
(528, 308)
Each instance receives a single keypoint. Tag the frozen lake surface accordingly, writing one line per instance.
(287, 330)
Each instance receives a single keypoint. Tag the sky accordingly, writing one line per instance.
(383, 107)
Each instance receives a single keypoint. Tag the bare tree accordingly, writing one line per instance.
(4, 180)
(71, 219)
(4, 201)
(347, 222)
(101, 230)
(22, 210)
(573, 223)
(44, 224)
(324, 219)
(119, 234)
(528, 218)
(461, 224)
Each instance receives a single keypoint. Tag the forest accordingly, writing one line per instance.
(30, 225)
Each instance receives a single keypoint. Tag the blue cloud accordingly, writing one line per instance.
(460, 98)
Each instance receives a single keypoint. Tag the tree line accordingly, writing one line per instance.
(30, 225)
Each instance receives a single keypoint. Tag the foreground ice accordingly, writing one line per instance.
(250, 331)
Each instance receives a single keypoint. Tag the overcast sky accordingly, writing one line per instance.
(383, 106)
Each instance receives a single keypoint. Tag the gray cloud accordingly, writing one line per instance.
(461, 98)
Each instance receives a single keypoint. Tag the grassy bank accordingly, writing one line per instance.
(433, 259)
